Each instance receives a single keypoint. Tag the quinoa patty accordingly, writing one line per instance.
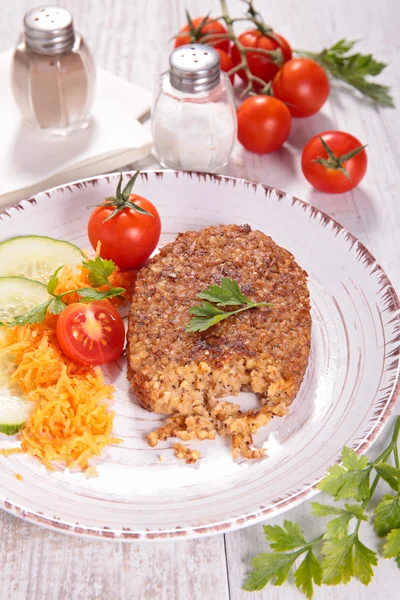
(264, 350)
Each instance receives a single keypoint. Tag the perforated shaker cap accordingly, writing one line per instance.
(49, 30)
(194, 68)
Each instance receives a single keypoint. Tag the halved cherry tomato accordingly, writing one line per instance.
(226, 63)
(91, 334)
(261, 65)
(211, 26)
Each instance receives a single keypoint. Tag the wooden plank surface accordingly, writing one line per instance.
(129, 38)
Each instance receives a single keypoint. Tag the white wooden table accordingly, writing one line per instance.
(129, 38)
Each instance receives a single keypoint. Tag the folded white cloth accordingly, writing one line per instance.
(32, 161)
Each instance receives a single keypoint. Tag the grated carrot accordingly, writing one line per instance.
(70, 421)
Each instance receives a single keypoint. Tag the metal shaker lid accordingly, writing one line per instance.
(194, 68)
(49, 30)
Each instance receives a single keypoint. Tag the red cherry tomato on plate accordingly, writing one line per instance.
(91, 334)
(129, 237)
(329, 175)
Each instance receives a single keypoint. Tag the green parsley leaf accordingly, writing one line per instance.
(338, 528)
(309, 572)
(364, 560)
(99, 271)
(57, 306)
(353, 69)
(270, 567)
(391, 549)
(206, 310)
(387, 514)
(338, 564)
(89, 294)
(53, 281)
(227, 294)
(35, 315)
(389, 474)
(284, 538)
(343, 484)
(352, 461)
(347, 557)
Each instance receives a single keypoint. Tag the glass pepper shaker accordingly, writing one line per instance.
(53, 73)
(194, 118)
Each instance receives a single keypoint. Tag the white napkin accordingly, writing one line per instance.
(31, 161)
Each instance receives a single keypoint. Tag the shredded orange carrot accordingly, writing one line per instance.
(70, 421)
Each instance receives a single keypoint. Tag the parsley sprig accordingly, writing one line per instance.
(343, 553)
(227, 294)
(353, 69)
(99, 273)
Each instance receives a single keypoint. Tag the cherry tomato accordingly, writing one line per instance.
(260, 65)
(211, 27)
(91, 334)
(333, 180)
(226, 63)
(303, 84)
(263, 124)
(129, 237)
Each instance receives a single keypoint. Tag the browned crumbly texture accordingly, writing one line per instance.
(264, 350)
(186, 454)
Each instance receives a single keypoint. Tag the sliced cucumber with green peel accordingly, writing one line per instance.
(36, 257)
(18, 295)
(14, 412)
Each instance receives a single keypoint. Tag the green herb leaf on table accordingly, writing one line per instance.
(387, 514)
(227, 294)
(353, 69)
(391, 549)
(344, 554)
(389, 474)
(308, 573)
(282, 539)
(348, 483)
(270, 567)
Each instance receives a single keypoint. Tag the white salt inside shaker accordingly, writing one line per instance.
(194, 117)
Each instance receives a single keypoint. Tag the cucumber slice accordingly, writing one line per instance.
(18, 295)
(36, 257)
(14, 412)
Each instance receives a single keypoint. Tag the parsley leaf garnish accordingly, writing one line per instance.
(99, 273)
(227, 294)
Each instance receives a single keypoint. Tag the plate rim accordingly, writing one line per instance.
(279, 506)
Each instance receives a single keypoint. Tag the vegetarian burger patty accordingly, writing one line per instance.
(264, 350)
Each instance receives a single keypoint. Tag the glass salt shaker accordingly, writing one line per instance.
(194, 117)
(53, 73)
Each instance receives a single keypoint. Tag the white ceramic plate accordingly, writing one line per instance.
(347, 393)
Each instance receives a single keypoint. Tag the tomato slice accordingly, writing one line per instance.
(91, 334)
